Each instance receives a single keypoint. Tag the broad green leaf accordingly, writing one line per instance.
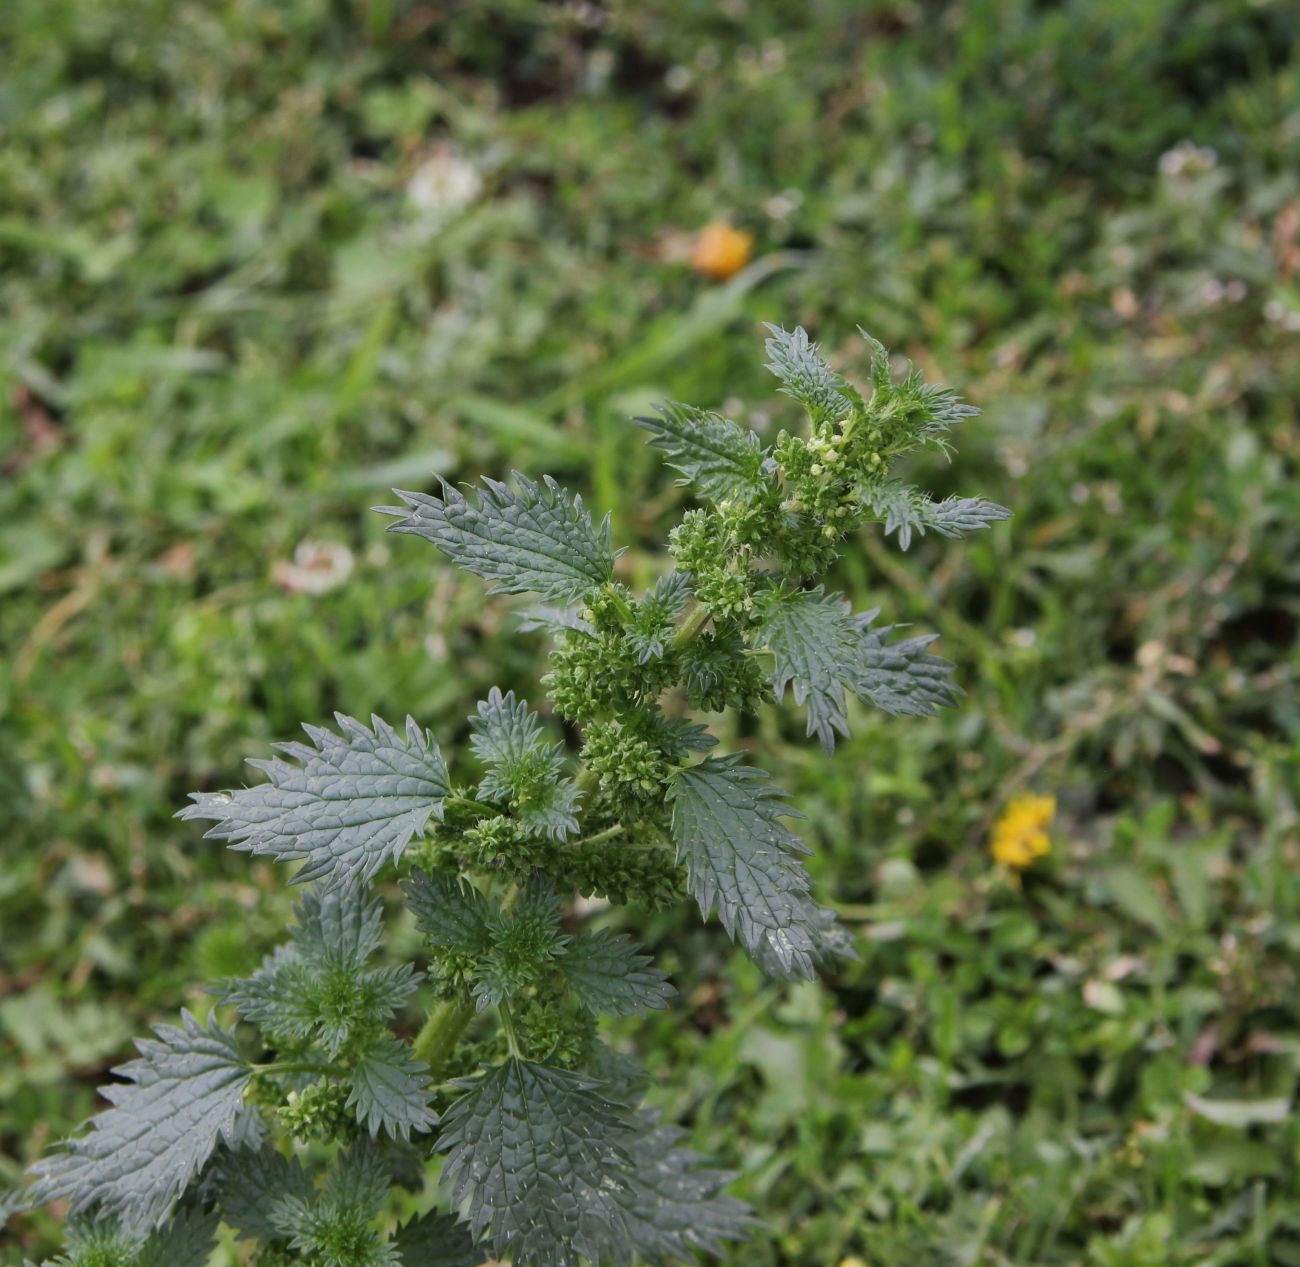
(901, 677)
(612, 974)
(905, 510)
(956, 516)
(338, 928)
(825, 653)
(742, 860)
(523, 766)
(675, 1209)
(537, 1163)
(716, 456)
(530, 538)
(814, 644)
(551, 1166)
(437, 1240)
(804, 375)
(249, 1181)
(451, 913)
(181, 1097)
(390, 1090)
(350, 804)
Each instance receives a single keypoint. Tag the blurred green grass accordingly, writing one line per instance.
(259, 262)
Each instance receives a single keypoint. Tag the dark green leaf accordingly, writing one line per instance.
(674, 1208)
(742, 860)
(348, 806)
(718, 457)
(436, 1240)
(804, 375)
(181, 1097)
(390, 1090)
(900, 677)
(611, 973)
(523, 766)
(450, 912)
(528, 538)
(537, 1162)
(250, 1181)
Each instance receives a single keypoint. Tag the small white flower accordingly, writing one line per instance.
(317, 568)
(1189, 158)
(443, 184)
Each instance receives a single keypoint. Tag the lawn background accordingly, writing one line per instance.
(231, 317)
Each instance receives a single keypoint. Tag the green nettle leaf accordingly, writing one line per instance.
(716, 456)
(278, 996)
(900, 677)
(437, 1240)
(390, 1090)
(336, 1226)
(340, 928)
(537, 1163)
(352, 803)
(186, 1240)
(552, 1166)
(531, 538)
(677, 1209)
(904, 510)
(805, 376)
(248, 1183)
(956, 516)
(612, 974)
(830, 940)
(524, 940)
(740, 859)
(453, 915)
(814, 644)
(523, 766)
(316, 987)
(824, 652)
(182, 1096)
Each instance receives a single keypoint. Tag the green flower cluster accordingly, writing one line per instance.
(317, 1112)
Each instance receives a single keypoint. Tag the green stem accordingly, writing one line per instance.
(298, 1066)
(482, 806)
(694, 623)
(439, 1035)
(600, 837)
(508, 1027)
(622, 606)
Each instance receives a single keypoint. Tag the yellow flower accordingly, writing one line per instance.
(1020, 835)
(720, 250)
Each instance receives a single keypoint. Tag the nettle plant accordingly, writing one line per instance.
(298, 1128)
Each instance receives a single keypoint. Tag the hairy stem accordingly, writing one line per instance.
(600, 837)
(508, 1026)
(481, 807)
(694, 623)
(298, 1066)
(440, 1033)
